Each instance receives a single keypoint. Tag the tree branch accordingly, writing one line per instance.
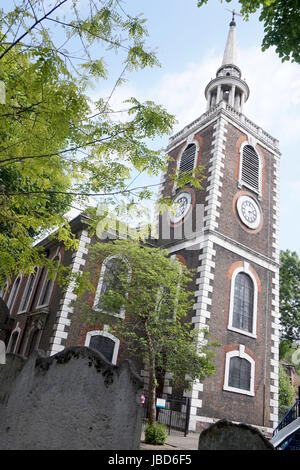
(31, 28)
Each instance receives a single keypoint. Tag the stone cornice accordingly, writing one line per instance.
(232, 80)
(239, 118)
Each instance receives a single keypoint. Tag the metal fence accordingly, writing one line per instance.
(175, 415)
(290, 416)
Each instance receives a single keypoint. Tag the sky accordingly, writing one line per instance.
(189, 43)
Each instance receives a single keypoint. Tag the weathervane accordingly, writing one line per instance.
(233, 15)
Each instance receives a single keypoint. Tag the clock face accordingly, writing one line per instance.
(249, 211)
(181, 206)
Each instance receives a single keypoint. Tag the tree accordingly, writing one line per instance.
(281, 24)
(56, 146)
(286, 391)
(290, 295)
(153, 291)
(291, 354)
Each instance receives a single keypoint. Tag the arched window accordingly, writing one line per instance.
(167, 302)
(13, 293)
(37, 290)
(115, 271)
(47, 287)
(250, 169)
(239, 374)
(243, 302)
(105, 343)
(28, 291)
(33, 342)
(13, 341)
(187, 160)
(242, 317)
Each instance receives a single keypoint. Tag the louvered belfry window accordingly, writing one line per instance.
(188, 159)
(250, 174)
(239, 373)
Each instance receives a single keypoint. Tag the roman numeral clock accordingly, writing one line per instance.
(249, 211)
(181, 206)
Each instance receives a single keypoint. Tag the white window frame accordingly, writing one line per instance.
(38, 305)
(26, 289)
(189, 142)
(2, 352)
(121, 314)
(243, 183)
(105, 333)
(243, 355)
(11, 301)
(243, 269)
(16, 330)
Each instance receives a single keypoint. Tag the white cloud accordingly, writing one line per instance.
(183, 93)
(274, 91)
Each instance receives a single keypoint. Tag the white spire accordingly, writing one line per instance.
(230, 48)
(228, 85)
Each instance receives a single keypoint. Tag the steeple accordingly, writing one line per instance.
(230, 48)
(228, 85)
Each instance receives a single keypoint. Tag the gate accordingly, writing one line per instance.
(175, 416)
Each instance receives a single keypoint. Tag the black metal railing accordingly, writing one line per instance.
(291, 415)
(175, 416)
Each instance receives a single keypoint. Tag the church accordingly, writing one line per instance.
(235, 252)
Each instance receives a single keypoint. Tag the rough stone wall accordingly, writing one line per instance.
(72, 400)
(225, 435)
(8, 376)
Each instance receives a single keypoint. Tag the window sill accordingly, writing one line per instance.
(22, 312)
(117, 315)
(39, 310)
(238, 390)
(241, 184)
(242, 332)
(42, 306)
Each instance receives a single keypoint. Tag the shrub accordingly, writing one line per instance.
(156, 434)
(286, 391)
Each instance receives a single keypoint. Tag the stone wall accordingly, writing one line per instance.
(72, 400)
(225, 435)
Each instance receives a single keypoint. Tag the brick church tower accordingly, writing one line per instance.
(234, 251)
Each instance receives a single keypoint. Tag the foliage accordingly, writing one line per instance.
(156, 434)
(281, 24)
(56, 145)
(284, 348)
(290, 354)
(290, 295)
(286, 391)
(153, 290)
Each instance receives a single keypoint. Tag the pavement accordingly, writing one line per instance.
(174, 442)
